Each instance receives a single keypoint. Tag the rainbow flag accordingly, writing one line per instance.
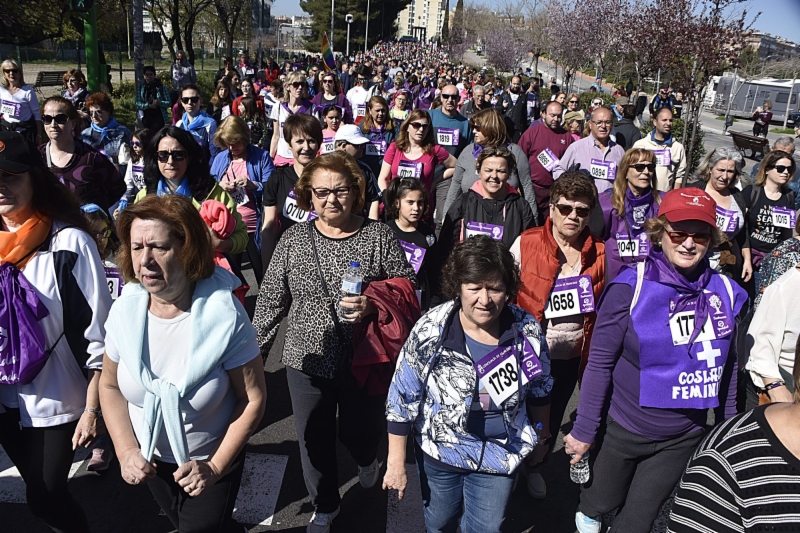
(327, 54)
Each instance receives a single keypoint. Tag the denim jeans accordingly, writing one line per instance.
(477, 500)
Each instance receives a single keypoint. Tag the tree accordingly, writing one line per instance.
(531, 26)
(446, 23)
(26, 23)
(182, 16)
(503, 46)
(229, 12)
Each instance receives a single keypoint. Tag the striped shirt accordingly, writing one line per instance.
(741, 478)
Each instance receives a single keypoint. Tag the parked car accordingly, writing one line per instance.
(794, 118)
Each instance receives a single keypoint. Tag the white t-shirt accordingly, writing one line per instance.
(20, 106)
(207, 408)
(358, 97)
(280, 114)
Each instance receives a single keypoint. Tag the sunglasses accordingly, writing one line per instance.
(566, 210)
(449, 96)
(362, 80)
(61, 118)
(573, 101)
(177, 156)
(782, 168)
(136, 144)
(418, 125)
(190, 100)
(71, 80)
(297, 84)
(96, 112)
(103, 234)
(678, 237)
(340, 192)
(640, 167)
(11, 71)
(327, 80)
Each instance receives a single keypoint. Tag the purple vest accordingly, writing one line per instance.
(635, 244)
(673, 374)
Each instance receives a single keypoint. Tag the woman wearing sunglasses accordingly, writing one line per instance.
(295, 102)
(76, 92)
(174, 164)
(331, 94)
(415, 154)
(93, 178)
(562, 268)
(662, 355)
(105, 134)
(19, 107)
(719, 173)
(770, 207)
(622, 211)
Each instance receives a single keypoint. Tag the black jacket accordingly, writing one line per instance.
(513, 213)
(627, 133)
(516, 113)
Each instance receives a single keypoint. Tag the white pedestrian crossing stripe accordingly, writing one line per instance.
(261, 485)
(12, 488)
(406, 516)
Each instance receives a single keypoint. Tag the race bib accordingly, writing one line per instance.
(361, 111)
(663, 157)
(681, 326)
(10, 109)
(240, 196)
(636, 247)
(603, 170)
(570, 296)
(727, 220)
(292, 212)
(137, 173)
(328, 145)
(783, 217)
(226, 112)
(115, 282)
(548, 159)
(249, 72)
(447, 137)
(499, 374)
(482, 228)
(414, 254)
(376, 148)
(409, 169)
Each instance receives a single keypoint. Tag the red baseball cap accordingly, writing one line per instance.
(689, 203)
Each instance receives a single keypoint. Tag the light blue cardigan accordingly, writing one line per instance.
(213, 340)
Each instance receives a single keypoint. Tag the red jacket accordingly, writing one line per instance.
(539, 270)
(378, 341)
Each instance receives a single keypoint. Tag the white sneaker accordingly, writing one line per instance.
(586, 524)
(321, 522)
(368, 475)
(537, 487)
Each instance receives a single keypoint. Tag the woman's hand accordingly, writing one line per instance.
(134, 468)
(196, 476)
(245, 183)
(395, 479)
(89, 428)
(361, 307)
(575, 448)
(747, 270)
(228, 186)
(780, 394)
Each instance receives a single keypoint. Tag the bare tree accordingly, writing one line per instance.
(182, 16)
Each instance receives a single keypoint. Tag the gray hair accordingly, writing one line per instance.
(784, 143)
(717, 155)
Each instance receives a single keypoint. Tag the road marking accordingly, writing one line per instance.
(261, 485)
(12, 488)
(406, 516)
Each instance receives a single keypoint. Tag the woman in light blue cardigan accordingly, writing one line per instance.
(183, 383)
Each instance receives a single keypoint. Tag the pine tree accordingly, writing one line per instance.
(445, 24)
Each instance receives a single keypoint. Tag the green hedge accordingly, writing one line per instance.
(677, 132)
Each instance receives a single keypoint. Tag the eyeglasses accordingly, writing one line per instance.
(136, 144)
(418, 125)
(678, 237)
(327, 80)
(61, 118)
(449, 96)
(340, 192)
(573, 101)
(566, 210)
(95, 112)
(297, 84)
(190, 100)
(640, 167)
(71, 80)
(177, 156)
(782, 168)
(602, 122)
(103, 234)
(361, 80)
(476, 129)
(596, 104)
(11, 71)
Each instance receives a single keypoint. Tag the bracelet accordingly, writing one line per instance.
(774, 385)
(98, 412)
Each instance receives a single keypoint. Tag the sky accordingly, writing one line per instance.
(778, 17)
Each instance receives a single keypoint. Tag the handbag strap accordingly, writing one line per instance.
(325, 291)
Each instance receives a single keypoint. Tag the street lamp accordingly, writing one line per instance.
(366, 31)
(279, 36)
(331, 41)
(349, 19)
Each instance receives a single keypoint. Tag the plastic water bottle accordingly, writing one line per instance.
(579, 472)
(351, 286)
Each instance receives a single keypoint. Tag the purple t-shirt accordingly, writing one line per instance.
(614, 335)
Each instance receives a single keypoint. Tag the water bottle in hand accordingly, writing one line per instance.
(351, 286)
(579, 472)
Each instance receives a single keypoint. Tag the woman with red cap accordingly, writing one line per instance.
(652, 375)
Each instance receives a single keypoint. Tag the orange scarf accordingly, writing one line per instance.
(20, 246)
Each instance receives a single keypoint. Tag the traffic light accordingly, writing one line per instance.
(82, 6)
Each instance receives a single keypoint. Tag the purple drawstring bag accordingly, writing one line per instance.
(23, 351)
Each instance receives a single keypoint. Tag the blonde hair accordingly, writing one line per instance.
(290, 79)
(631, 157)
(11, 63)
(232, 130)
